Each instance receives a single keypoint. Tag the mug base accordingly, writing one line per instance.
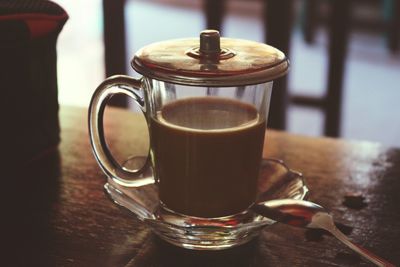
(206, 233)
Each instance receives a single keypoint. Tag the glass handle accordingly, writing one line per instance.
(118, 84)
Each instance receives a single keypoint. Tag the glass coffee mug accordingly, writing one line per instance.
(206, 106)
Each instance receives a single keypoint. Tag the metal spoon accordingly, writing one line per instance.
(307, 214)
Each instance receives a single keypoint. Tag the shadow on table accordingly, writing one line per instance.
(157, 252)
(29, 191)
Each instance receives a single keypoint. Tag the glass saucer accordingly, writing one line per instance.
(276, 181)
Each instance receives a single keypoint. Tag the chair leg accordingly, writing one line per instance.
(114, 43)
(338, 40)
(214, 10)
(393, 21)
(309, 20)
(278, 24)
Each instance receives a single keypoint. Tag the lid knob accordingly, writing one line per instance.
(210, 43)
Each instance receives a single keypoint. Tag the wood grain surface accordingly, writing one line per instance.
(56, 213)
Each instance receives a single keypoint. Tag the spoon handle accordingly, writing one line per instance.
(325, 221)
(360, 250)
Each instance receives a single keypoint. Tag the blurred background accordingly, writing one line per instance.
(370, 98)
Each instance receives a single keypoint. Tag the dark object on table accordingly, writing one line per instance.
(28, 75)
(26, 224)
(317, 235)
(355, 201)
(348, 258)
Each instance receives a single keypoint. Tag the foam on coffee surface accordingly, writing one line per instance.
(208, 114)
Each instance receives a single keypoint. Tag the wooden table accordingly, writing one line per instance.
(56, 212)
